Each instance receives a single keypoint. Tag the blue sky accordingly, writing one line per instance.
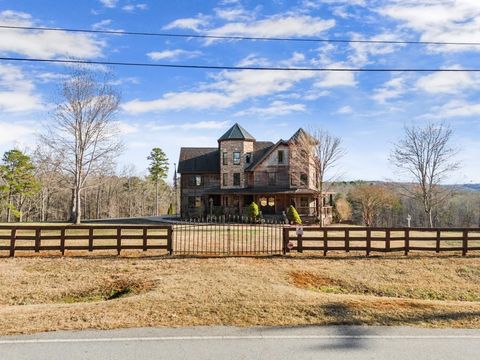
(170, 108)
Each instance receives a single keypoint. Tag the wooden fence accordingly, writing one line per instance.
(85, 237)
(369, 239)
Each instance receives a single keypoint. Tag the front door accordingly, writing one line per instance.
(267, 205)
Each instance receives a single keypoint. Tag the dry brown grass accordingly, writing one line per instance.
(44, 294)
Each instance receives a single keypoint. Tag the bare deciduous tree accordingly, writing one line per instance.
(372, 199)
(83, 133)
(425, 154)
(324, 151)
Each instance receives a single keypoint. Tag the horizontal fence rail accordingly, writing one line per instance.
(85, 237)
(373, 239)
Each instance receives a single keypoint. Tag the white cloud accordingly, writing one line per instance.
(445, 20)
(44, 44)
(228, 88)
(254, 60)
(17, 92)
(195, 24)
(274, 109)
(12, 132)
(179, 101)
(454, 108)
(345, 110)
(173, 54)
(393, 88)
(109, 3)
(199, 125)
(448, 82)
(237, 13)
(276, 25)
(363, 52)
(134, 7)
(330, 79)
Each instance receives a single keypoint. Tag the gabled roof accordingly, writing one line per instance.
(301, 135)
(260, 148)
(236, 132)
(265, 153)
(199, 160)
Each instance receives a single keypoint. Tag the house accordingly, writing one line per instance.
(225, 179)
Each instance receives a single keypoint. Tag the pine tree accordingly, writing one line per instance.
(158, 170)
(19, 183)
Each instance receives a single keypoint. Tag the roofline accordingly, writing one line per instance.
(277, 144)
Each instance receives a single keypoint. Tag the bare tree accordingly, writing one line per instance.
(425, 154)
(323, 151)
(372, 199)
(83, 134)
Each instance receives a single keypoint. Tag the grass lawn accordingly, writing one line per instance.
(106, 292)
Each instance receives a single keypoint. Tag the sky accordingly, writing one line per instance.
(170, 108)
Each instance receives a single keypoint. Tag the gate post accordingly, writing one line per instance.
(170, 240)
(286, 239)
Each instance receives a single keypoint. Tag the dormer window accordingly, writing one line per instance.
(236, 158)
(248, 158)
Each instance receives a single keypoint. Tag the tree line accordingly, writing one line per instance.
(72, 173)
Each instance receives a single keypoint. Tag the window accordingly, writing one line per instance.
(304, 202)
(225, 179)
(236, 158)
(225, 158)
(304, 179)
(194, 202)
(236, 179)
(280, 156)
(272, 178)
(304, 154)
(195, 180)
(248, 158)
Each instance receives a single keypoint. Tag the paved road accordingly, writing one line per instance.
(253, 343)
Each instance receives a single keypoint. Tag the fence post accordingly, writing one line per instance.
(144, 237)
(90, 239)
(369, 242)
(407, 241)
(387, 241)
(13, 237)
(437, 246)
(465, 243)
(286, 239)
(62, 241)
(170, 240)
(119, 240)
(299, 243)
(325, 242)
(347, 241)
(37, 240)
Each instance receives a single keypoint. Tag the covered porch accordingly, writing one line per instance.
(271, 202)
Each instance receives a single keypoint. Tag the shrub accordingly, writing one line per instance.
(253, 211)
(293, 216)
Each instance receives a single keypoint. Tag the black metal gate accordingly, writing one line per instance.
(234, 236)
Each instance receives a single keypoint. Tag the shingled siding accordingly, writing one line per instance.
(270, 165)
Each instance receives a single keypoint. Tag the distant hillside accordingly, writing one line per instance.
(475, 187)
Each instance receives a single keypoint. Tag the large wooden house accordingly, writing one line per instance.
(225, 179)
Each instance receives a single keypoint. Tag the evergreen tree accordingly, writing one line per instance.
(158, 170)
(18, 181)
(293, 216)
